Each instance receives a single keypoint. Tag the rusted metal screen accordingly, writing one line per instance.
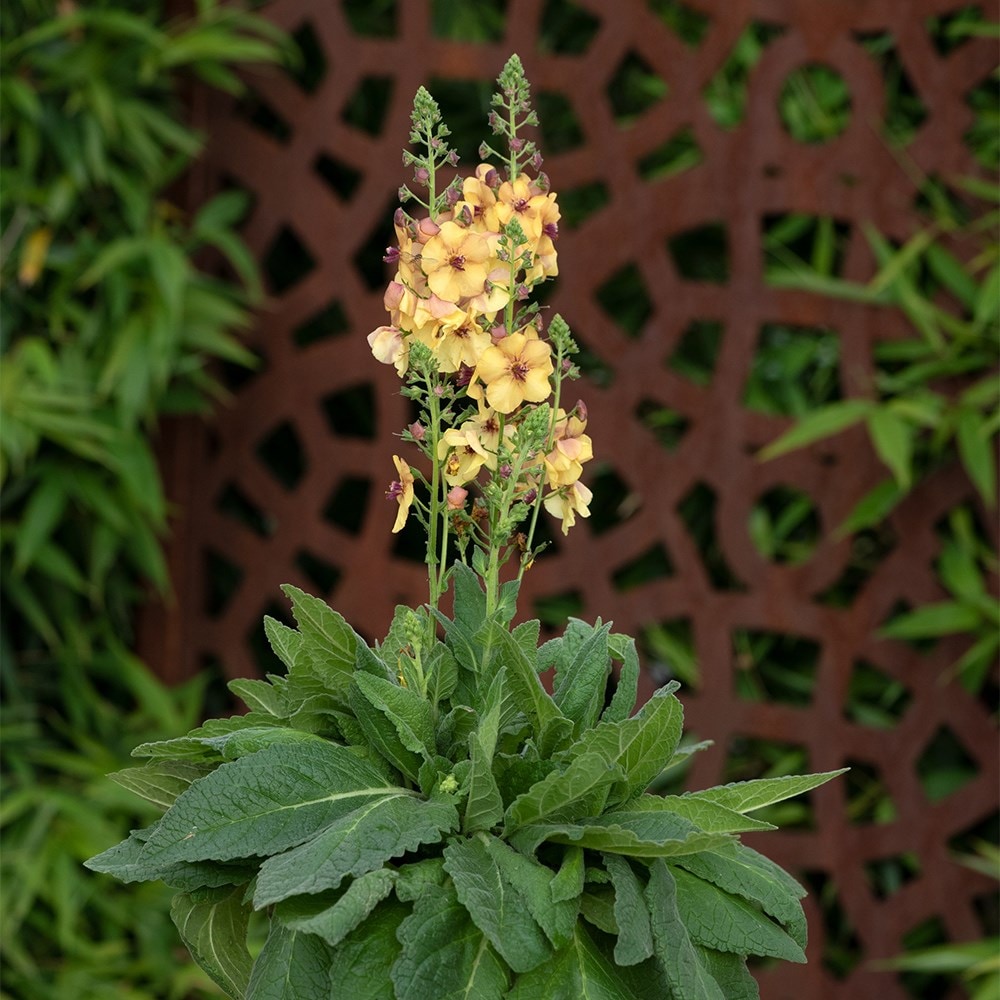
(668, 212)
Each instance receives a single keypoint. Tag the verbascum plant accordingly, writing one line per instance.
(421, 819)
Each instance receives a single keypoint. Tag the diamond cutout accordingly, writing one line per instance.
(701, 253)
(634, 88)
(794, 242)
(887, 876)
(311, 68)
(842, 949)
(668, 650)
(868, 798)
(945, 766)
(613, 502)
(815, 104)
(774, 667)
(566, 28)
(235, 504)
(329, 322)
(874, 698)
(559, 125)
(666, 424)
(795, 369)
(351, 412)
(347, 506)
(222, 579)
(371, 18)
(286, 261)
(653, 564)
(697, 351)
(905, 110)
(283, 455)
(340, 178)
(368, 106)
(688, 24)
(323, 575)
(461, 21)
(580, 203)
(679, 153)
(697, 511)
(784, 525)
(726, 93)
(626, 301)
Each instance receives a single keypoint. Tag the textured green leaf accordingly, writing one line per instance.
(328, 642)
(598, 906)
(580, 790)
(334, 921)
(741, 871)
(381, 734)
(633, 835)
(497, 908)
(353, 844)
(442, 673)
(746, 796)
(525, 686)
(213, 926)
(161, 781)
(582, 675)
(705, 814)
(258, 695)
(569, 880)
(578, 971)
(291, 966)
(470, 613)
(715, 919)
(445, 956)
(640, 746)
(414, 879)
(285, 642)
(730, 972)
(533, 881)
(264, 803)
(675, 950)
(411, 715)
(360, 965)
(635, 933)
(622, 647)
(484, 805)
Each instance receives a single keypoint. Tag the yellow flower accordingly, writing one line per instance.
(521, 199)
(514, 370)
(567, 503)
(388, 346)
(460, 340)
(464, 456)
(456, 262)
(571, 448)
(401, 491)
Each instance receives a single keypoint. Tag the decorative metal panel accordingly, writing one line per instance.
(669, 208)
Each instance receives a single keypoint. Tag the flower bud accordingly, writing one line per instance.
(516, 144)
(456, 498)
(417, 430)
(505, 470)
(581, 410)
(421, 175)
(391, 255)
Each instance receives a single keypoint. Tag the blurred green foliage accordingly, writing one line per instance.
(107, 324)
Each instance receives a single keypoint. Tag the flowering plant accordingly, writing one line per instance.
(421, 819)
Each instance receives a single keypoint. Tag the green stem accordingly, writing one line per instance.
(435, 494)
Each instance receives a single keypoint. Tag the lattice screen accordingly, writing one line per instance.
(680, 166)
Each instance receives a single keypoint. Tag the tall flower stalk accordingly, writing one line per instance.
(484, 368)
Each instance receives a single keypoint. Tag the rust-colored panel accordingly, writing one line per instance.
(311, 509)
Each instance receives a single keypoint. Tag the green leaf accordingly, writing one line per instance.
(582, 674)
(470, 613)
(580, 790)
(976, 449)
(264, 803)
(622, 648)
(533, 882)
(746, 796)
(527, 689)
(43, 511)
(497, 908)
(291, 966)
(674, 948)
(932, 620)
(411, 716)
(741, 871)
(730, 972)
(635, 933)
(445, 955)
(717, 920)
(286, 642)
(361, 961)
(578, 970)
(418, 877)
(328, 642)
(638, 835)
(817, 425)
(708, 816)
(640, 746)
(892, 437)
(354, 844)
(333, 922)
(260, 695)
(569, 880)
(381, 734)
(213, 926)
(873, 507)
(161, 781)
